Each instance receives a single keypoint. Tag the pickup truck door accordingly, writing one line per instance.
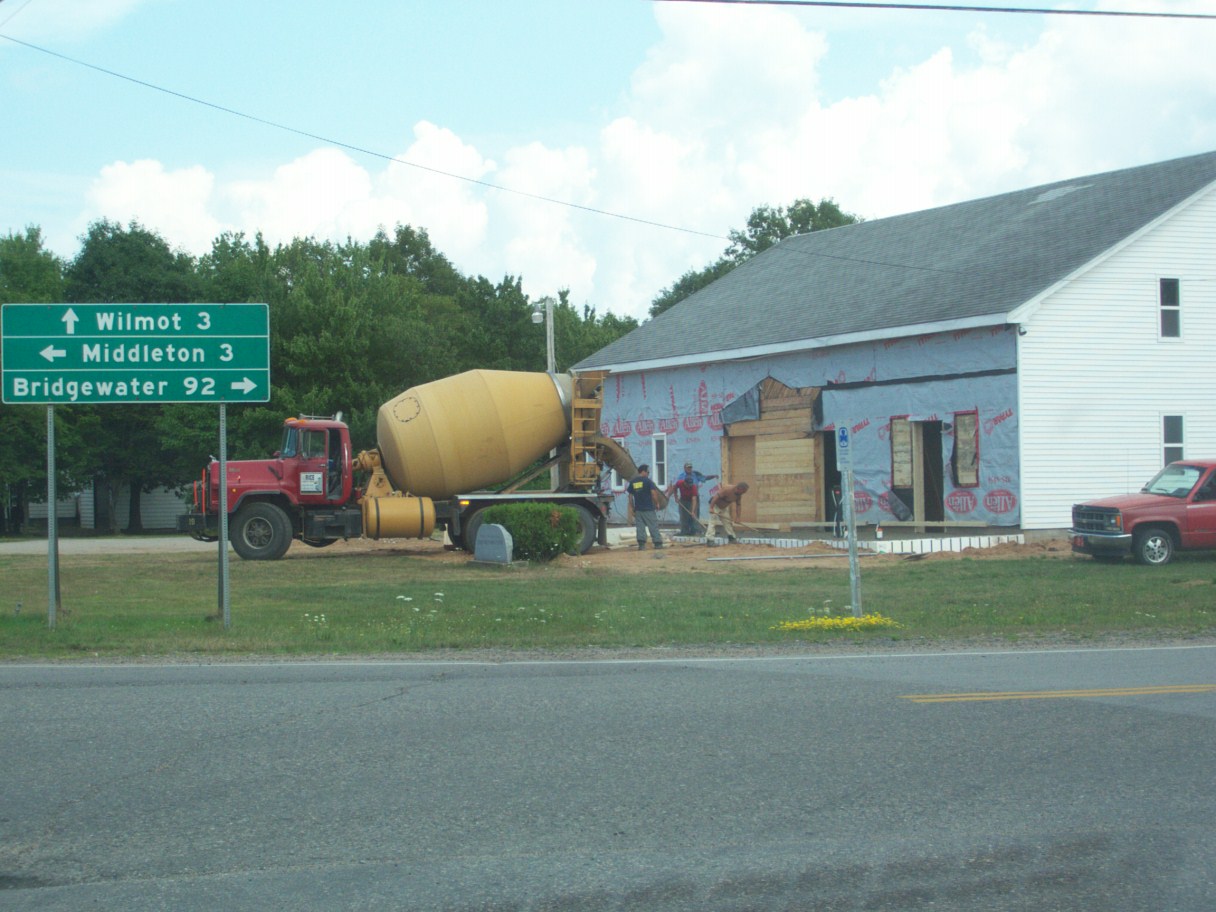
(1201, 514)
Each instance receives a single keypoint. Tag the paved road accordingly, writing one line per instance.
(810, 783)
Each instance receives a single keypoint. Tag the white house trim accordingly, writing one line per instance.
(803, 345)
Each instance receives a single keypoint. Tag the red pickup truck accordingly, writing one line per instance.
(1176, 511)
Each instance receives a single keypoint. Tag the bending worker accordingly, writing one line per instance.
(725, 502)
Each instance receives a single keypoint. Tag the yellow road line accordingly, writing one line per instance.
(1059, 694)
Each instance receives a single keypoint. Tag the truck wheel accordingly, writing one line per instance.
(468, 532)
(1154, 546)
(590, 529)
(261, 531)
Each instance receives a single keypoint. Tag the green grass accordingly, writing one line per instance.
(378, 604)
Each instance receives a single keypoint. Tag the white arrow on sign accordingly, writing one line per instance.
(69, 321)
(245, 385)
(51, 353)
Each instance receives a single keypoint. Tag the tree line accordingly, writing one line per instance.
(351, 326)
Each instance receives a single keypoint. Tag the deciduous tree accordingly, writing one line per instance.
(765, 227)
(130, 265)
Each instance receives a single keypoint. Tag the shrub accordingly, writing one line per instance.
(539, 531)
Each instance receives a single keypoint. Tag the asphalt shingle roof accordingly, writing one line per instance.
(976, 259)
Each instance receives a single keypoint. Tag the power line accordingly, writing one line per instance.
(553, 200)
(401, 161)
(9, 18)
(954, 8)
(287, 128)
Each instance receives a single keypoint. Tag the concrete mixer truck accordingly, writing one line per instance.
(445, 451)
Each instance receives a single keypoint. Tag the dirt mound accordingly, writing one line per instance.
(678, 556)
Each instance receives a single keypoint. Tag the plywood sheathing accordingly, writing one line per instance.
(779, 456)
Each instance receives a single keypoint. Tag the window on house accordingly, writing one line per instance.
(1171, 437)
(618, 483)
(1171, 309)
(658, 460)
(901, 453)
(966, 456)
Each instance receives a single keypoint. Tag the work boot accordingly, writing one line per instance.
(641, 546)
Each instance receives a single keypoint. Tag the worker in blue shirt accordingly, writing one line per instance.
(644, 498)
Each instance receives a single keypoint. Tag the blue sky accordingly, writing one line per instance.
(688, 115)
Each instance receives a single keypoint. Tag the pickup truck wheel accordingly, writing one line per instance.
(1154, 547)
(261, 531)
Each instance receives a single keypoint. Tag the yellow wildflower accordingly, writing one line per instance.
(865, 622)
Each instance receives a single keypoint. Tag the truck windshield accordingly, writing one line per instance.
(291, 441)
(1175, 480)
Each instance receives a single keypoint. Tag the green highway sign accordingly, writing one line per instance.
(132, 353)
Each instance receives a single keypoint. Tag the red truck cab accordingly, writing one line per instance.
(1175, 511)
(315, 461)
(304, 491)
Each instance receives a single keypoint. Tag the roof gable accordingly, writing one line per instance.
(975, 262)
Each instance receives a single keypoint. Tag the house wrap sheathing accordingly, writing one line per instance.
(995, 360)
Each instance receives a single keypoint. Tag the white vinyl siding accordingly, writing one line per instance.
(158, 509)
(1094, 379)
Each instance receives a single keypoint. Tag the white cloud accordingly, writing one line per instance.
(726, 113)
(539, 239)
(175, 204)
(40, 20)
(322, 194)
(454, 212)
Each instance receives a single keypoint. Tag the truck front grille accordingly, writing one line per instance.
(1096, 519)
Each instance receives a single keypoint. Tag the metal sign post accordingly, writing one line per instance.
(844, 458)
(225, 588)
(53, 601)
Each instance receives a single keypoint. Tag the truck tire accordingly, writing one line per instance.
(590, 529)
(261, 531)
(1153, 546)
(468, 532)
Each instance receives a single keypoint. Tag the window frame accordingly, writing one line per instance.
(1169, 308)
(902, 476)
(616, 483)
(959, 472)
(1173, 445)
(659, 461)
